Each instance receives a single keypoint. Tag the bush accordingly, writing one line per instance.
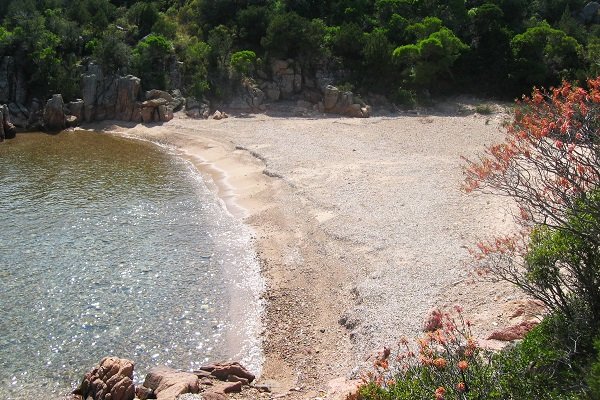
(150, 58)
(242, 62)
(448, 364)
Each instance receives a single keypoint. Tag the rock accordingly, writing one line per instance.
(36, 115)
(514, 332)
(144, 393)
(168, 383)
(178, 100)
(75, 108)
(128, 88)
(342, 388)
(330, 97)
(213, 396)
(8, 129)
(112, 379)
(165, 113)
(148, 114)
(19, 115)
(89, 84)
(175, 74)
(159, 101)
(223, 370)
(159, 94)
(71, 121)
(345, 103)
(54, 114)
(217, 115)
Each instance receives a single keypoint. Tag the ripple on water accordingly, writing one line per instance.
(112, 247)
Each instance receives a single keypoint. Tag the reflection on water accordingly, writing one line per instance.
(108, 247)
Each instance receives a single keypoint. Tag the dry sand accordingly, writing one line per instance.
(361, 228)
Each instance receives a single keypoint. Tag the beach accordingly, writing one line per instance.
(360, 227)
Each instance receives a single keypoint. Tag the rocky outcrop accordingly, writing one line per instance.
(197, 109)
(336, 101)
(513, 332)
(13, 87)
(250, 97)
(167, 383)
(128, 89)
(112, 379)
(54, 114)
(7, 129)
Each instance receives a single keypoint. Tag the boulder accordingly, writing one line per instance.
(159, 94)
(19, 115)
(167, 383)
(197, 109)
(223, 370)
(147, 114)
(75, 108)
(345, 103)
(514, 332)
(89, 89)
(165, 113)
(54, 114)
(112, 379)
(8, 129)
(178, 100)
(128, 88)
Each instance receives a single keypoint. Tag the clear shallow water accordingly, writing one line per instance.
(110, 246)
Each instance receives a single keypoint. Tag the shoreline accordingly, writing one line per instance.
(360, 229)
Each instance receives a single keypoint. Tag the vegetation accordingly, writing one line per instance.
(549, 164)
(399, 48)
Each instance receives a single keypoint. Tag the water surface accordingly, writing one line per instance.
(111, 246)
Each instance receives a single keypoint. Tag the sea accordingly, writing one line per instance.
(111, 246)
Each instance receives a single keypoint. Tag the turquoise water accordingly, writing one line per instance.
(110, 246)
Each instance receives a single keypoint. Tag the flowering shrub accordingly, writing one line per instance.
(444, 364)
(549, 163)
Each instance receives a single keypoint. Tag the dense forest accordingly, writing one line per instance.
(398, 48)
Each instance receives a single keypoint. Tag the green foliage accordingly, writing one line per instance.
(196, 59)
(544, 55)
(433, 55)
(291, 36)
(494, 46)
(563, 264)
(242, 62)
(150, 58)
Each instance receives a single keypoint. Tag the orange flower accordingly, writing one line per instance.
(463, 365)
(461, 387)
(440, 363)
(439, 393)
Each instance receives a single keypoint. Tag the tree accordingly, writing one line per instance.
(150, 58)
(549, 164)
(432, 56)
(544, 55)
(292, 36)
(242, 62)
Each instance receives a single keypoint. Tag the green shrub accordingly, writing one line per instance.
(242, 62)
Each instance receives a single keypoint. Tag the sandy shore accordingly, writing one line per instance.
(361, 229)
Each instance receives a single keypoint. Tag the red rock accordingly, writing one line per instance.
(168, 383)
(223, 370)
(514, 332)
(144, 393)
(112, 379)
(213, 396)
(227, 387)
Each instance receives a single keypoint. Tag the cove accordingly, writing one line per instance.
(111, 246)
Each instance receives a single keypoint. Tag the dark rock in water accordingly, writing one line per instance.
(112, 379)
(167, 383)
(54, 114)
